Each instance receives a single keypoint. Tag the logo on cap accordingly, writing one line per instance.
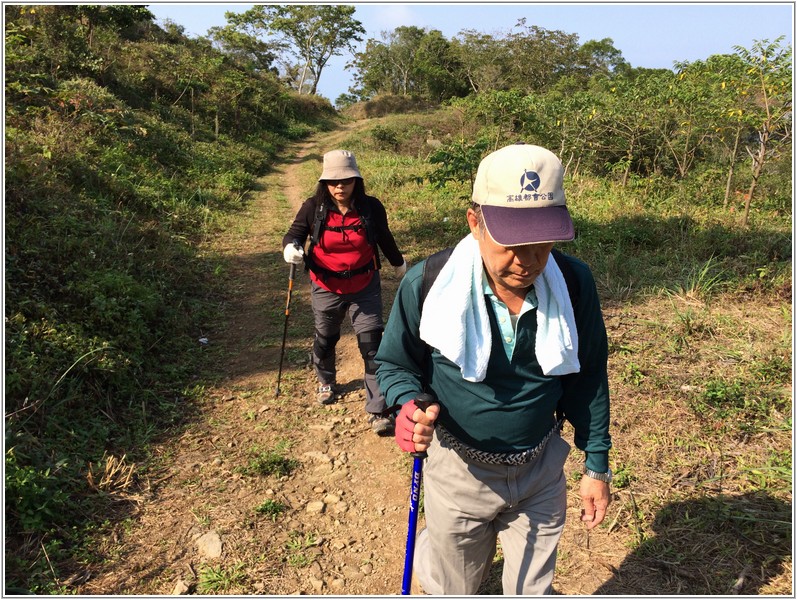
(530, 181)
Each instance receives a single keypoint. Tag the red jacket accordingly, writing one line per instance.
(346, 250)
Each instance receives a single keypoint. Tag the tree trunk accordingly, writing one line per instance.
(302, 78)
(577, 167)
(626, 173)
(758, 165)
(627, 170)
(316, 79)
(729, 181)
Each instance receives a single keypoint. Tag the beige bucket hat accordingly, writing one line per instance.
(339, 164)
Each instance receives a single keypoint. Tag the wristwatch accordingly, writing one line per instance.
(607, 477)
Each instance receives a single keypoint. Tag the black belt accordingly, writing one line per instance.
(495, 458)
(340, 274)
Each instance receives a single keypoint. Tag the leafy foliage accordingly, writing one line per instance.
(602, 116)
(458, 161)
(313, 34)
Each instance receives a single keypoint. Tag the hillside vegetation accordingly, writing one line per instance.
(130, 148)
(124, 149)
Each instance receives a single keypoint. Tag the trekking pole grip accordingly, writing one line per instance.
(422, 401)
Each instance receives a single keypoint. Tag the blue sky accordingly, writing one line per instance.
(649, 34)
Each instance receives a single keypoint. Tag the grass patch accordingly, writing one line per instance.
(218, 579)
(264, 463)
(271, 509)
(297, 546)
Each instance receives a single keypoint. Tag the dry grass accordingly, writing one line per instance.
(111, 474)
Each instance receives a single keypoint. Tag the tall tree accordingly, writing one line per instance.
(439, 70)
(685, 114)
(629, 128)
(410, 61)
(372, 71)
(313, 33)
(597, 57)
(769, 72)
(727, 105)
(244, 47)
(403, 44)
(483, 59)
(539, 57)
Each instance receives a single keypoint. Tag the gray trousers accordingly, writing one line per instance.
(365, 312)
(468, 505)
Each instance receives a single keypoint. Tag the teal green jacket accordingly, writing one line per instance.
(513, 407)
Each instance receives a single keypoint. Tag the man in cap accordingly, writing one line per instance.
(503, 347)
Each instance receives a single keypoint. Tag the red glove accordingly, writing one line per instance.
(405, 427)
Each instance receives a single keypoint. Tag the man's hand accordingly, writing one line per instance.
(414, 427)
(595, 498)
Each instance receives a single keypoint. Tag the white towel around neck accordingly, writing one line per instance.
(454, 317)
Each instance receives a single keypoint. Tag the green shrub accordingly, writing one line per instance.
(271, 508)
(385, 137)
(35, 497)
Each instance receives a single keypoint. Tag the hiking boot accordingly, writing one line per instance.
(381, 425)
(326, 395)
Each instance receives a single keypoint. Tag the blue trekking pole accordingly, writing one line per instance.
(422, 401)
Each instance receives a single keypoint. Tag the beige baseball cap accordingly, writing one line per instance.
(339, 164)
(519, 188)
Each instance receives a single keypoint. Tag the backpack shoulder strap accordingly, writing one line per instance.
(571, 281)
(364, 208)
(319, 219)
(431, 269)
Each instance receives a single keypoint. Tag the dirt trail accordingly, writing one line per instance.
(344, 525)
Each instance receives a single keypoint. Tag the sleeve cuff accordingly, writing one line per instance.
(597, 461)
(402, 400)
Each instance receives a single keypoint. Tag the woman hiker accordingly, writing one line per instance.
(346, 228)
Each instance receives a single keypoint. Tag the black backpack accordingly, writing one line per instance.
(435, 262)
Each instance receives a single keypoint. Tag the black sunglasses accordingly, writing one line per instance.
(337, 182)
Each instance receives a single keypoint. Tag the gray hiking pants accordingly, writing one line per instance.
(468, 505)
(365, 312)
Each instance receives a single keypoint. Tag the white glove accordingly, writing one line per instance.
(293, 255)
(401, 269)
